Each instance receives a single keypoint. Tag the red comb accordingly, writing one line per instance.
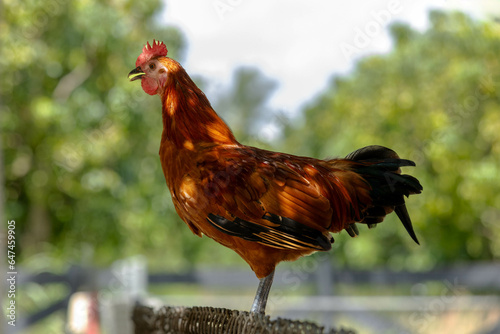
(156, 50)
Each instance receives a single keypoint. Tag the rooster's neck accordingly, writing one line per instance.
(188, 117)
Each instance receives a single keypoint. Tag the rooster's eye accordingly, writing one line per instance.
(152, 66)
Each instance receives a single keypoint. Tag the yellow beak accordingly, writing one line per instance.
(136, 74)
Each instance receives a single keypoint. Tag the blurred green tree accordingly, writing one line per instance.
(434, 99)
(83, 181)
(243, 105)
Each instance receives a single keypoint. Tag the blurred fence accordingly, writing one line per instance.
(101, 301)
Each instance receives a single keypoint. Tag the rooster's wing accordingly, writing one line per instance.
(271, 198)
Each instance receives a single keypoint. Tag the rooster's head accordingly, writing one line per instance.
(150, 69)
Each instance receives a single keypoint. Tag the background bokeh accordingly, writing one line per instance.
(79, 143)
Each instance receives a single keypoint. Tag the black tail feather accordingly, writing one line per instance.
(380, 167)
(372, 152)
(403, 215)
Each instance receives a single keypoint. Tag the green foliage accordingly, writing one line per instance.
(80, 141)
(434, 99)
(243, 105)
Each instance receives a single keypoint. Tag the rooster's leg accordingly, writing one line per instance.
(260, 301)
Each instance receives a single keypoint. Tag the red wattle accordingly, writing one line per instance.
(149, 86)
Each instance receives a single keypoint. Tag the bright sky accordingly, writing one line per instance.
(298, 43)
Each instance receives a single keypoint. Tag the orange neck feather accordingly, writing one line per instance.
(188, 117)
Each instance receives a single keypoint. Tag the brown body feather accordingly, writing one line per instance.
(267, 206)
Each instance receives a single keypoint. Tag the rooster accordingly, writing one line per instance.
(266, 206)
